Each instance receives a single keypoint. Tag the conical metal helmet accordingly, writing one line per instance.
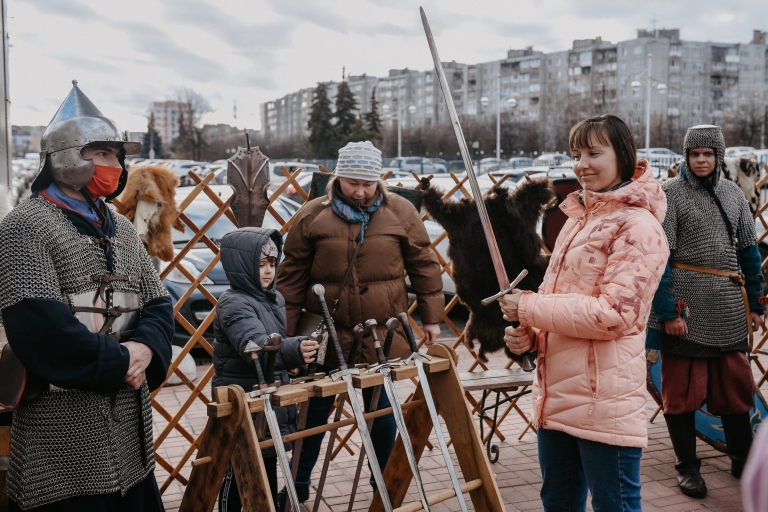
(77, 123)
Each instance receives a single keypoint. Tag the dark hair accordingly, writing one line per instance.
(607, 129)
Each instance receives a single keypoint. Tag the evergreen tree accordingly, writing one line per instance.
(372, 119)
(151, 140)
(346, 119)
(322, 134)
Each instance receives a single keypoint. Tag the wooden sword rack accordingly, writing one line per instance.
(230, 437)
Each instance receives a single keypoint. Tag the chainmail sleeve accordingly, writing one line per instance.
(745, 231)
(27, 269)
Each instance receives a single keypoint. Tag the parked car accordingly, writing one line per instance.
(196, 308)
(552, 159)
(521, 161)
(660, 157)
(487, 164)
(417, 164)
(276, 175)
(739, 151)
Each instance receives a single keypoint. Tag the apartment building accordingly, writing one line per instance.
(692, 82)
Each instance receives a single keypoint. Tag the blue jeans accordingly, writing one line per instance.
(383, 433)
(570, 466)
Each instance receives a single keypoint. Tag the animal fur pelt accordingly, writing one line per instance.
(151, 190)
(514, 217)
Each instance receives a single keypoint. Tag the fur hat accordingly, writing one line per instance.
(359, 161)
(705, 136)
(268, 250)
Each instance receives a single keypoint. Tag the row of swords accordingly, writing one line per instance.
(348, 368)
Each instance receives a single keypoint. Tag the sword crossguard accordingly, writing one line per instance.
(337, 374)
(414, 355)
(259, 391)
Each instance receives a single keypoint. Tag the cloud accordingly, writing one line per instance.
(313, 12)
(71, 9)
(255, 41)
(166, 53)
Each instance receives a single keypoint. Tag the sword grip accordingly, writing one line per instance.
(257, 366)
(319, 290)
(371, 326)
(408, 332)
(312, 367)
(359, 332)
(391, 325)
(272, 345)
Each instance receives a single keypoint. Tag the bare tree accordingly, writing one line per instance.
(192, 107)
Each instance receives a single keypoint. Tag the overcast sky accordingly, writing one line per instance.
(127, 53)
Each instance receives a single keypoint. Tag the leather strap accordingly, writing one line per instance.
(737, 278)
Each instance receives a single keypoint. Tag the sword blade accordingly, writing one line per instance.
(439, 431)
(282, 458)
(397, 412)
(498, 263)
(365, 436)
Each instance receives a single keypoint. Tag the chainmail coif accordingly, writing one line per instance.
(67, 442)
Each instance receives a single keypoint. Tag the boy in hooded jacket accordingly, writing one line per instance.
(251, 310)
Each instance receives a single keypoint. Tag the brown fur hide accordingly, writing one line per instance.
(745, 172)
(514, 217)
(156, 185)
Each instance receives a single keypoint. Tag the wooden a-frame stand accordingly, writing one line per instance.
(230, 435)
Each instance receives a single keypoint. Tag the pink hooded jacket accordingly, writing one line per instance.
(590, 313)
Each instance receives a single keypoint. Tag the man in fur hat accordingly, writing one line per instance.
(707, 306)
(86, 314)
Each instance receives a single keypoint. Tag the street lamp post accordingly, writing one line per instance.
(512, 102)
(411, 110)
(661, 88)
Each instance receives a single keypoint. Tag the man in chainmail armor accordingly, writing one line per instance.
(707, 306)
(86, 314)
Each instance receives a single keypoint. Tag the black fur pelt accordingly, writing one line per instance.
(513, 217)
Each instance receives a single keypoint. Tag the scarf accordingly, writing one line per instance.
(355, 215)
(54, 195)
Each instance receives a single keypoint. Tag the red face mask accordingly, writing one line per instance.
(104, 181)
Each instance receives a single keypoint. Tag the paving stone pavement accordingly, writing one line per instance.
(517, 470)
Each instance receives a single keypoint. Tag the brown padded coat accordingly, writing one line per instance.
(318, 248)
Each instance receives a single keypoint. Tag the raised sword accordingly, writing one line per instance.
(485, 221)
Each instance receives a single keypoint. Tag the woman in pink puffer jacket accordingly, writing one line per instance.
(587, 323)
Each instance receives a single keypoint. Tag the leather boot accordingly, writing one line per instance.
(738, 440)
(682, 433)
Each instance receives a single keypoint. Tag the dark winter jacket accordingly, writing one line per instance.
(318, 249)
(247, 312)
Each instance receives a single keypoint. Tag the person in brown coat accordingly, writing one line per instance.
(318, 249)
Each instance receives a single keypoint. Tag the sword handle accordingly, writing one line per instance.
(528, 362)
(391, 325)
(408, 332)
(359, 333)
(252, 349)
(371, 326)
(273, 344)
(312, 367)
(319, 290)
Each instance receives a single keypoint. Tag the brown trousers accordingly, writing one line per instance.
(724, 383)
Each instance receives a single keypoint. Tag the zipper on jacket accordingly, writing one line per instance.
(592, 362)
